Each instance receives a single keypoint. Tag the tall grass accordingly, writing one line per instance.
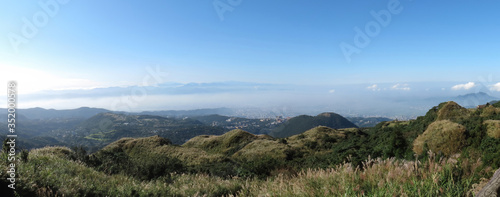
(49, 173)
(377, 177)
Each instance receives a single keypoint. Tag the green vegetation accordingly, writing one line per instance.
(47, 174)
(451, 111)
(451, 151)
(441, 136)
(104, 128)
(303, 123)
(493, 128)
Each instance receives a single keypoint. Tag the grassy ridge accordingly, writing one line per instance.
(300, 124)
(49, 172)
(444, 153)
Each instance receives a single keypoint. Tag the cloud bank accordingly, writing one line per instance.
(496, 87)
(398, 86)
(466, 86)
(373, 87)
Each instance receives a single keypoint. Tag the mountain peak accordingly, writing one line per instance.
(472, 100)
(327, 114)
(451, 111)
(302, 123)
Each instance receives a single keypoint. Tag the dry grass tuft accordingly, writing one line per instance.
(317, 134)
(377, 177)
(228, 143)
(493, 128)
(58, 151)
(490, 111)
(441, 136)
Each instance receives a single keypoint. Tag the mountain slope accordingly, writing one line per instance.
(104, 128)
(303, 123)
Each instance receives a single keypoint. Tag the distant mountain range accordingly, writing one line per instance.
(86, 112)
(471, 100)
(367, 121)
(474, 99)
(189, 113)
(44, 114)
(260, 100)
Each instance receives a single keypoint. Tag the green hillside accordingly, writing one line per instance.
(451, 151)
(104, 128)
(303, 123)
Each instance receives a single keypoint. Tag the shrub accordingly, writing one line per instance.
(262, 167)
(493, 128)
(441, 136)
(491, 152)
(311, 144)
(24, 155)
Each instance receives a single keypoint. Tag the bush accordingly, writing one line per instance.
(397, 145)
(311, 144)
(24, 155)
(79, 154)
(490, 147)
(441, 136)
(493, 128)
(261, 167)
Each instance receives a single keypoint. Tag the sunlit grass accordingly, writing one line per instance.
(49, 173)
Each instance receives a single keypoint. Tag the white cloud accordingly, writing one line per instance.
(331, 91)
(466, 86)
(398, 86)
(373, 87)
(496, 87)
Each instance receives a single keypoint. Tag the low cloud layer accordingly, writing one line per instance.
(496, 87)
(382, 99)
(373, 87)
(398, 86)
(466, 86)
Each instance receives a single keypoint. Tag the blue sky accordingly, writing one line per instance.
(88, 44)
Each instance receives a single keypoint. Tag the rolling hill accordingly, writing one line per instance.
(104, 128)
(303, 123)
(451, 151)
